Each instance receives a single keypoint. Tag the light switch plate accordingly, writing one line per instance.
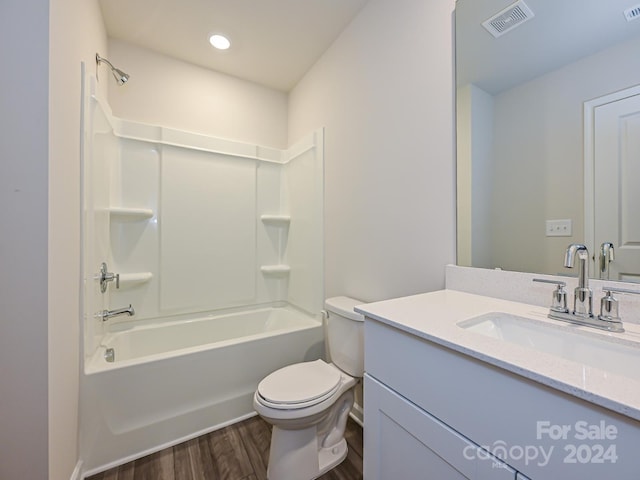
(558, 228)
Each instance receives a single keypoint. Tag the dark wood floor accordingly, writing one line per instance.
(237, 452)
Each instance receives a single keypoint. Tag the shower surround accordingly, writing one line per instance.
(217, 245)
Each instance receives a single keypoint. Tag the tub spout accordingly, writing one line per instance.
(107, 314)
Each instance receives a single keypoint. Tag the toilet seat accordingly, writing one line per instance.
(299, 386)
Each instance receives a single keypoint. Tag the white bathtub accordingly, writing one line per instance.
(173, 381)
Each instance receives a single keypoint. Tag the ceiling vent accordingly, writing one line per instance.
(508, 19)
(632, 13)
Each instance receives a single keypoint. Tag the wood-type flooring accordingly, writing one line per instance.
(237, 452)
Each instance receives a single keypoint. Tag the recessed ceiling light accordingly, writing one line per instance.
(219, 41)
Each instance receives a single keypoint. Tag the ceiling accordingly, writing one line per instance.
(561, 31)
(273, 42)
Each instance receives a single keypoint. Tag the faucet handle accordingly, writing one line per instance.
(609, 304)
(612, 289)
(104, 277)
(609, 308)
(559, 298)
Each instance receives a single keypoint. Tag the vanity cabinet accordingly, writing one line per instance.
(410, 443)
(434, 412)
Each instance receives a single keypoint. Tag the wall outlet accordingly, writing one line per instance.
(558, 228)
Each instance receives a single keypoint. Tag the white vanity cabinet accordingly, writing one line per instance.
(428, 408)
(405, 442)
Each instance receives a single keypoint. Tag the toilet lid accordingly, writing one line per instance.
(299, 385)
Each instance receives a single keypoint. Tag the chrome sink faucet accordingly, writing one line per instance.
(583, 297)
(582, 313)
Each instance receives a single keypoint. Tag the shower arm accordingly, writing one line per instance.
(99, 59)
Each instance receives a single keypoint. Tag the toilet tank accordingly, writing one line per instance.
(345, 335)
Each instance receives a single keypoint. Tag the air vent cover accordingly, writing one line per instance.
(508, 19)
(632, 13)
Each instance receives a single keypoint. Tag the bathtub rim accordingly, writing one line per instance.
(95, 363)
(121, 324)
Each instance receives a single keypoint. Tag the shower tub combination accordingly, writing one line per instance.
(216, 309)
(175, 380)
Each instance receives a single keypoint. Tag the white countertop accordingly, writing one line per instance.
(434, 317)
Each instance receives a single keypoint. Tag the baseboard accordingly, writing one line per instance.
(163, 446)
(357, 414)
(77, 472)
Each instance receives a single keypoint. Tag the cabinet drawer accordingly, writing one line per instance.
(402, 441)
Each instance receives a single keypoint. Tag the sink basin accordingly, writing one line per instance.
(605, 353)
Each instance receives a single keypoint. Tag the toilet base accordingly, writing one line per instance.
(295, 455)
(330, 457)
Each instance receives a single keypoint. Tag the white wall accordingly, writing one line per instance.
(384, 93)
(464, 154)
(539, 162)
(482, 173)
(475, 178)
(24, 98)
(77, 33)
(168, 92)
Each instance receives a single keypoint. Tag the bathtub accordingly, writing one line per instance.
(172, 381)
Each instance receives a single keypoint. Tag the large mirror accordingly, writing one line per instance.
(546, 142)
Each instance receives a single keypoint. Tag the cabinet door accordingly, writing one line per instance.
(403, 441)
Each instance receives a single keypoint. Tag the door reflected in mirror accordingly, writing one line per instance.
(530, 110)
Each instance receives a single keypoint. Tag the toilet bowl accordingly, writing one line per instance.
(308, 403)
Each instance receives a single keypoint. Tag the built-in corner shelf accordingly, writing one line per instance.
(275, 270)
(276, 220)
(130, 214)
(133, 279)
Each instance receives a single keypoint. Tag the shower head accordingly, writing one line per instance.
(118, 74)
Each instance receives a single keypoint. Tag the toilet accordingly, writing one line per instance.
(308, 403)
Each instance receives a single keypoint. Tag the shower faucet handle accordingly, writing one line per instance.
(104, 276)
